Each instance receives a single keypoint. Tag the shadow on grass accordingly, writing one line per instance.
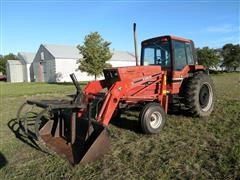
(128, 120)
(178, 110)
(22, 136)
(125, 123)
(3, 160)
(69, 83)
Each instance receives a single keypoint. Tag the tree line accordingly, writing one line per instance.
(96, 53)
(3, 61)
(227, 58)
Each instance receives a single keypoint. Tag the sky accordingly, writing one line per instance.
(26, 24)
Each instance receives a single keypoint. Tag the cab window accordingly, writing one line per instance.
(180, 56)
(189, 53)
(156, 53)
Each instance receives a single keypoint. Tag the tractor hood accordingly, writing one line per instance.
(133, 73)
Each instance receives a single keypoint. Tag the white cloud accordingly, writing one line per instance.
(217, 29)
(225, 28)
(219, 42)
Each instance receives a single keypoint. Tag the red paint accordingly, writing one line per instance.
(132, 87)
(136, 84)
(180, 39)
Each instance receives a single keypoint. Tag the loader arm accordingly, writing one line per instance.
(114, 95)
(145, 89)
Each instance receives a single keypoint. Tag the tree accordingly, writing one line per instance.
(231, 56)
(3, 61)
(96, 53)
(207, 57)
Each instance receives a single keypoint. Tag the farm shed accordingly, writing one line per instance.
(54, 63)
(15, 71)
(27, 58)
(122, 58)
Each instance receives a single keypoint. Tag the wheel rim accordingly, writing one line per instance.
(205, 97)
(155, 120)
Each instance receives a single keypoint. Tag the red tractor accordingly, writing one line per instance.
(168, 74)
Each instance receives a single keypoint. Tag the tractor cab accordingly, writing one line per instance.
(175, 55)
(168, 51)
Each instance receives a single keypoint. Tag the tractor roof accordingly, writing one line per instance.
(169, 37)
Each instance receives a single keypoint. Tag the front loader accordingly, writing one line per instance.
(168, 74)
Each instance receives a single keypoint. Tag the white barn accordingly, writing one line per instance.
(15, 71)
(122, 58)
(27, 58)
(54, 63)
(20, 70)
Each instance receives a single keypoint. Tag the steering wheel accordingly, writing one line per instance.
(159, 61)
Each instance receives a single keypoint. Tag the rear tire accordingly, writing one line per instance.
(152, 118)
(199, 95)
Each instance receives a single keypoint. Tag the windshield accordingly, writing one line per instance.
(156, 53)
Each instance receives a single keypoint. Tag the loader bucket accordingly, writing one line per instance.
(55, 124)
(78, 141)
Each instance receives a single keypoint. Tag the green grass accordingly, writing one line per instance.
(187, 148)
(28, 89)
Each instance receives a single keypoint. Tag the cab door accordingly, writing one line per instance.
(182, 58)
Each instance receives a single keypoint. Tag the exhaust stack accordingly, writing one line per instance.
(135, 43)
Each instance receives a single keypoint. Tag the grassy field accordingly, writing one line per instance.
(187, 148)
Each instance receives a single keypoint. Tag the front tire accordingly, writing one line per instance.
(152, 118)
